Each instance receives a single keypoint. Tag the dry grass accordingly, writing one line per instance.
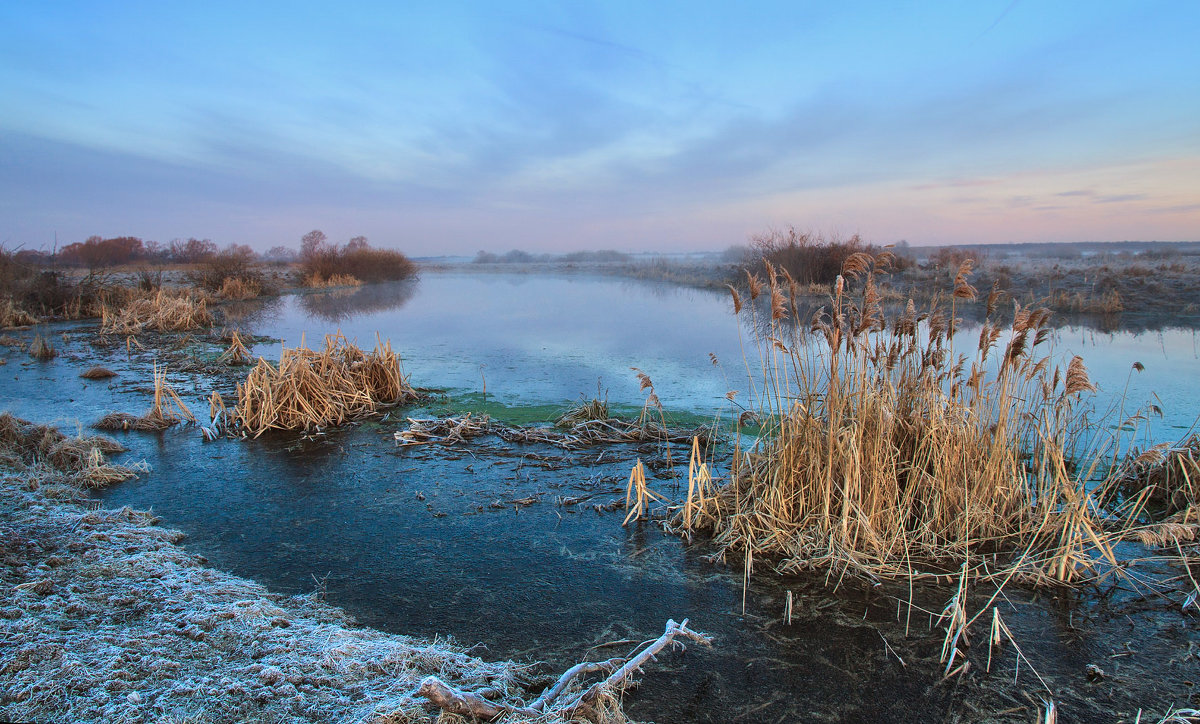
(240, 288)
(164, 311)
(885, 448)
(317, 281)
(42, 349)
(309, 390)
(1168, 476)
(97, 373)
(13, 316)
(637, 495)
(167, 411)
(585, 411)
(609, 431)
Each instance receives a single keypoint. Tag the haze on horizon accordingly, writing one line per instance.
(454, 127)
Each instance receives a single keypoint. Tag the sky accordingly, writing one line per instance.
(452, 127)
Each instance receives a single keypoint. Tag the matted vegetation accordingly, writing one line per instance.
(889, 452)
(97, 373)
(457, 429)
(79, 461)
(307, 389)
(87, 640)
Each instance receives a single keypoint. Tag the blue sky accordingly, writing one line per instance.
(453, 127)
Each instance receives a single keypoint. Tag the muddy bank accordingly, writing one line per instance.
(103, 617)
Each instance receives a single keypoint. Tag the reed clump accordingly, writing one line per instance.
(586, 411)
(164, 311)
(238, 288)
(315, 389)
(167, 410)
(237, 353)
(42, 349)
(885, 448)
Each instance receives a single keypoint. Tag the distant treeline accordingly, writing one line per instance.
(97, 253)
(516, 256)
(1072, 249)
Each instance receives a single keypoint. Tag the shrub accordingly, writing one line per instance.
(232, 263)
(807, 258)
(28, 291)
(321, 261)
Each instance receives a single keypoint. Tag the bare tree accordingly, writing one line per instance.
(313, 243)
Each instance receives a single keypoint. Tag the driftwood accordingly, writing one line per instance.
(478, 706)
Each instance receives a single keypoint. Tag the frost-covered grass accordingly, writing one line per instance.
(104, 617)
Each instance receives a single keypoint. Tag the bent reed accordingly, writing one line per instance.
(167, 410)
(888, 452)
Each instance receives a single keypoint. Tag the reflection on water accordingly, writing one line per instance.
(252, 312)
(338, 305)
(536, 339)
(532, 339)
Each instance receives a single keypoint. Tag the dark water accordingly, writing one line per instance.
(408, 540)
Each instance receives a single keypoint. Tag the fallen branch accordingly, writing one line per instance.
(618, 678)
(473, 704)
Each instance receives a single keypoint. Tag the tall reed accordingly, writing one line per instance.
(885, 447)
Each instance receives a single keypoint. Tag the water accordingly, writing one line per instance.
(429, 541)
(536, 339)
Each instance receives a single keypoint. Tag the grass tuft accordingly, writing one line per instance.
(167, 411)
